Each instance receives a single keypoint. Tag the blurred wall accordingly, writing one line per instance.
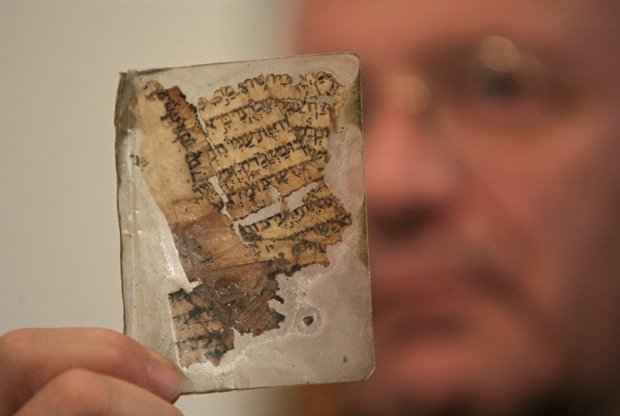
(59, 65)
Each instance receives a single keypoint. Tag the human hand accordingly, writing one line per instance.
(80, 371)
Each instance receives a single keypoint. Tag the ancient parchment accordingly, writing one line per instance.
(240, 187)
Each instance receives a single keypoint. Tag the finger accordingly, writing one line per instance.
(30, 358)
(84, 393)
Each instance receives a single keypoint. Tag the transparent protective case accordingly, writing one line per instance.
(243, 223)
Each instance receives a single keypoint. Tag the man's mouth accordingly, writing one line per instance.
(434, 299)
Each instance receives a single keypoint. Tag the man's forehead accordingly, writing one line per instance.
(388, 26)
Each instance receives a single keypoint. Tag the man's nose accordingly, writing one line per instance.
(407, 163)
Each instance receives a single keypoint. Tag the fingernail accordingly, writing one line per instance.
(165, 379)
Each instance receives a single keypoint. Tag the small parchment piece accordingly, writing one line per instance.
(242, 218)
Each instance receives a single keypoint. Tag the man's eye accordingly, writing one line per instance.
(498, 86)
(496, 101)
(499, 64)
(503, 71)
(502, 87)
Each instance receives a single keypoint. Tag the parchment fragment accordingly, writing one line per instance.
(260, 144)
(232, 214)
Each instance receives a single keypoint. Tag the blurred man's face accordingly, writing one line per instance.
(493, 176)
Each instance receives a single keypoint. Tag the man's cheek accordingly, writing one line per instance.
(516, 219)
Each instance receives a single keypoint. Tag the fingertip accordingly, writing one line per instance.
(164, 379)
